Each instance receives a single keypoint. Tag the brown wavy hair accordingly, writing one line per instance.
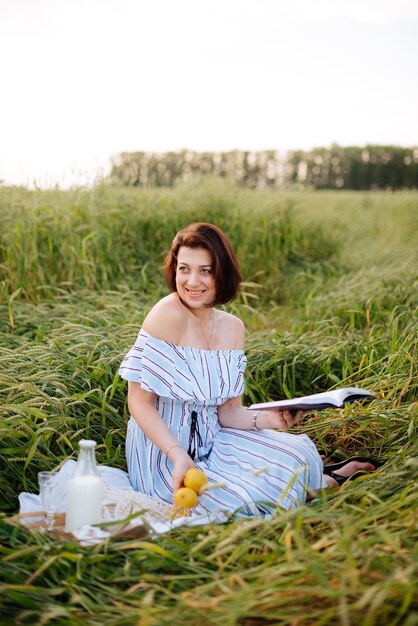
(226, 270)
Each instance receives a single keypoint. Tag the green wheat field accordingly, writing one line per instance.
(329, 299)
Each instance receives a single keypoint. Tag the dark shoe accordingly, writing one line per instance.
(342, 479)
(331, 467)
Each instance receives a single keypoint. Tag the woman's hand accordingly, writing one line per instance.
(283, 420)
(182, 462)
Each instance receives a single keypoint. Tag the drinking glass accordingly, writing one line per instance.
(49, 492)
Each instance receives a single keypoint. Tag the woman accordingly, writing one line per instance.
(185, 376)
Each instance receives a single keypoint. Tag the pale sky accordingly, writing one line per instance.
(83, 80)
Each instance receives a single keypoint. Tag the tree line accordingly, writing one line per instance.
(336, 167)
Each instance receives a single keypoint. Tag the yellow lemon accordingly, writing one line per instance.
(185, 498)
(195, 479)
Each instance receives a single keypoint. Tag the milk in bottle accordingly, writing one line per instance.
(85, 490)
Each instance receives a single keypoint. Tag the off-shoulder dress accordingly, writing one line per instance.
(254, 470)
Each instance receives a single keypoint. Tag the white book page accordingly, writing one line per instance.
(334, 398)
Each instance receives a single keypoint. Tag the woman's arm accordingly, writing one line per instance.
(142, 408)
(232, 414)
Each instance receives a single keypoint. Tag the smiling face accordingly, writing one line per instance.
(195, 282)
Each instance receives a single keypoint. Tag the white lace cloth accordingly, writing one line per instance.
(120, 501)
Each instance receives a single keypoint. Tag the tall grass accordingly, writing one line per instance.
(108, 238)
(329, 299)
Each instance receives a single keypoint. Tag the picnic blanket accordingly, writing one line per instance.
(120, 501)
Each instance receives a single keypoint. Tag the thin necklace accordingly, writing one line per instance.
(211, 332)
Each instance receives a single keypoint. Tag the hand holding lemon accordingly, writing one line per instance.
(194, 480)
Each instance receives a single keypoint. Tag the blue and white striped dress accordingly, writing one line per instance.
(257, 469)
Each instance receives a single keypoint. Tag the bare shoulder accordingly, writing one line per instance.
(233, 329)
(166, 319)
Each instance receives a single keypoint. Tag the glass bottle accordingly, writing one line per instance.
(85, 490)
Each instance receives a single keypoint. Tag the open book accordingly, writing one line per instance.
(317, 401)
